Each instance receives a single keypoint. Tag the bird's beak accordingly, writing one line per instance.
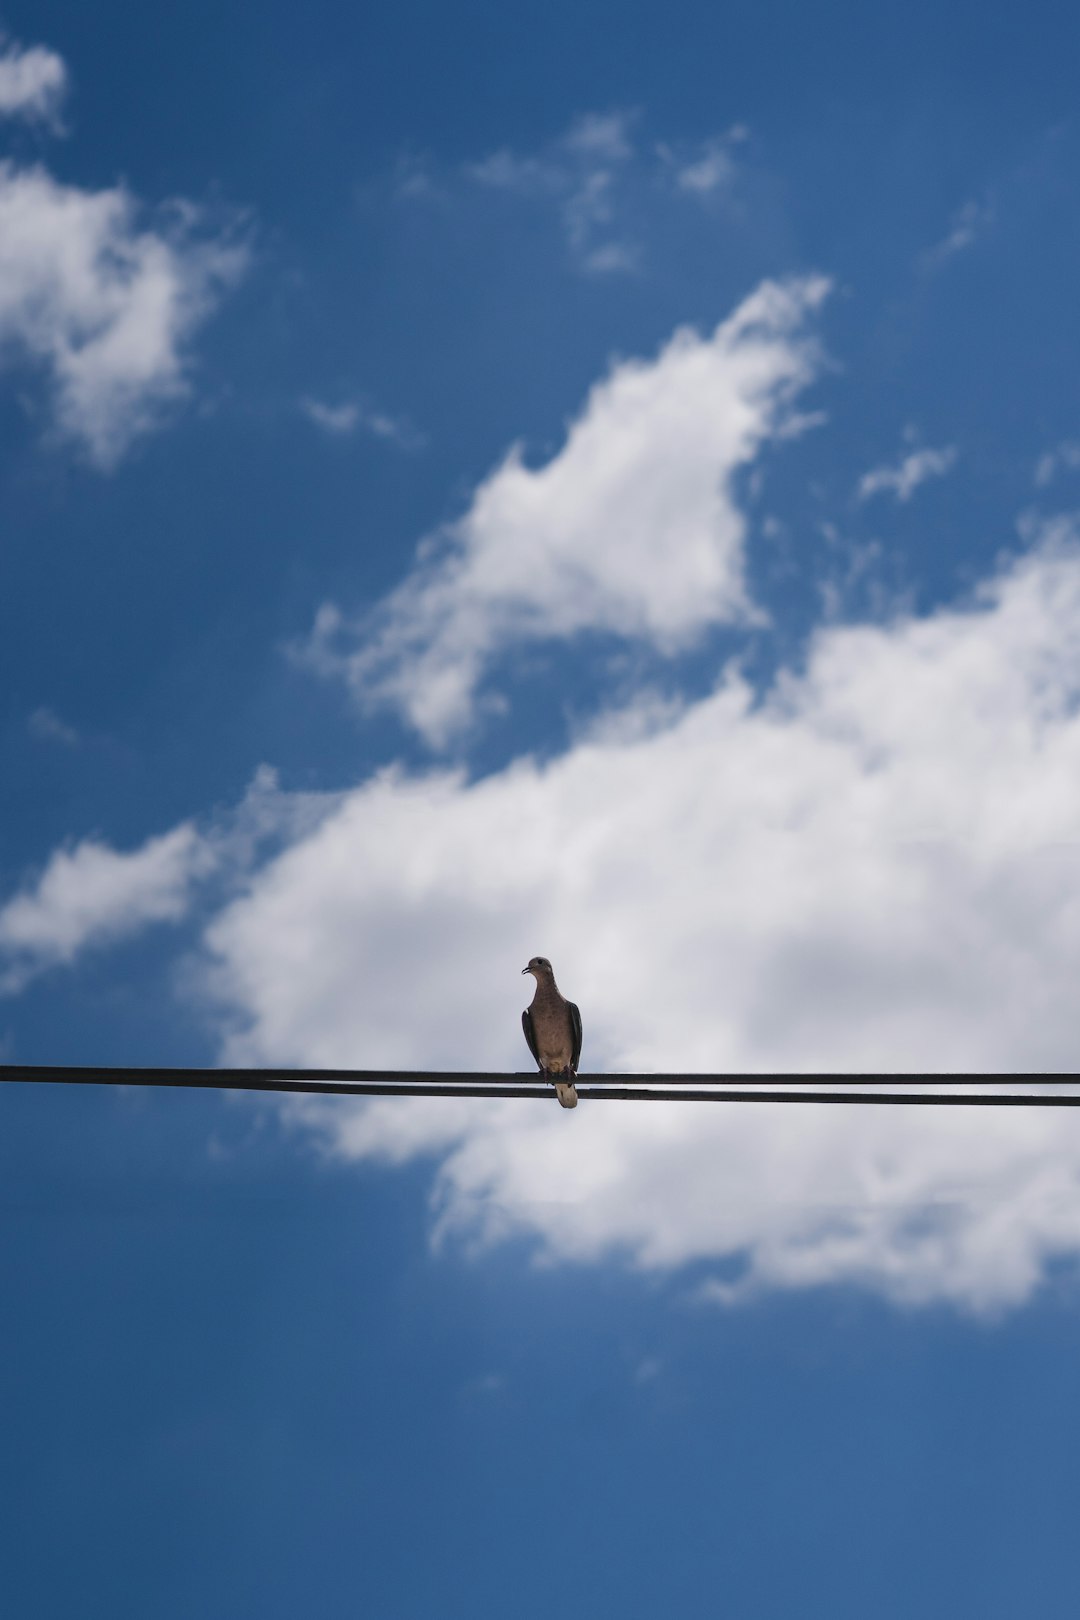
(526, 970)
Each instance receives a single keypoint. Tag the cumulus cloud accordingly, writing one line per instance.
(904, 479)
(632, 528)
(877, 867)
(93, 894)
(33, 83)
(90, 895)
(101, 303)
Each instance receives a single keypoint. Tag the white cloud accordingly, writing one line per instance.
(336, 419)
(103, 306)
(603, 136)
(593, 146)
(632, 528)
(47, 726)
(967, 225)
(352, 415)
(711, 168)
(395, 429)
(505, 170)
(588, 209)
(1064, 457)
(601, 183)
(413, 179)
(93, 894)
(33, 83)
(904, 479)
(613, 256)
(714, 169)
(878, 867)
(90, 895)
(580, 170)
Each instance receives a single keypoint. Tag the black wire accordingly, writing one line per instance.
(771, 1088)
(977, 1099)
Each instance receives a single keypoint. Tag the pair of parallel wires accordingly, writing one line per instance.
(903, 1090)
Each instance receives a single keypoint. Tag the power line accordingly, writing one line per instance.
(859, 1089)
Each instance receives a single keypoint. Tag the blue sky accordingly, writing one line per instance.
(602, 482)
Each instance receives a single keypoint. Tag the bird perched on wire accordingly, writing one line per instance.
(552, 1028)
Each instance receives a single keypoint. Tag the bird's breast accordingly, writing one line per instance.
(551, 1026)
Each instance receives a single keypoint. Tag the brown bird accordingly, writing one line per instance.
(552, 1028)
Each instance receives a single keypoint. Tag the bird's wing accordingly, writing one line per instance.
(575, 1034)
(530, 1036)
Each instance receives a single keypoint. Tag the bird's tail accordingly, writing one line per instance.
(566, 1092)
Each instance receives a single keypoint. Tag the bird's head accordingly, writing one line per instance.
(540, 968)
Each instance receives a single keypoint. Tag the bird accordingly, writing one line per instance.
(552, 1028)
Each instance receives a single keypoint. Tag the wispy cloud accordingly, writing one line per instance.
(631, 529)
(92, 894)
(904, 478)
(507, 171)
(708, 169)
(716, 168)
(968, 224)
(603, 182)
(581, 172)
(601, 137)
(413, 177)
(354, 415)
(89, 895)
(335, 419)
(618, 257)
(46, 725)
(33, 83)
(1064, 457)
